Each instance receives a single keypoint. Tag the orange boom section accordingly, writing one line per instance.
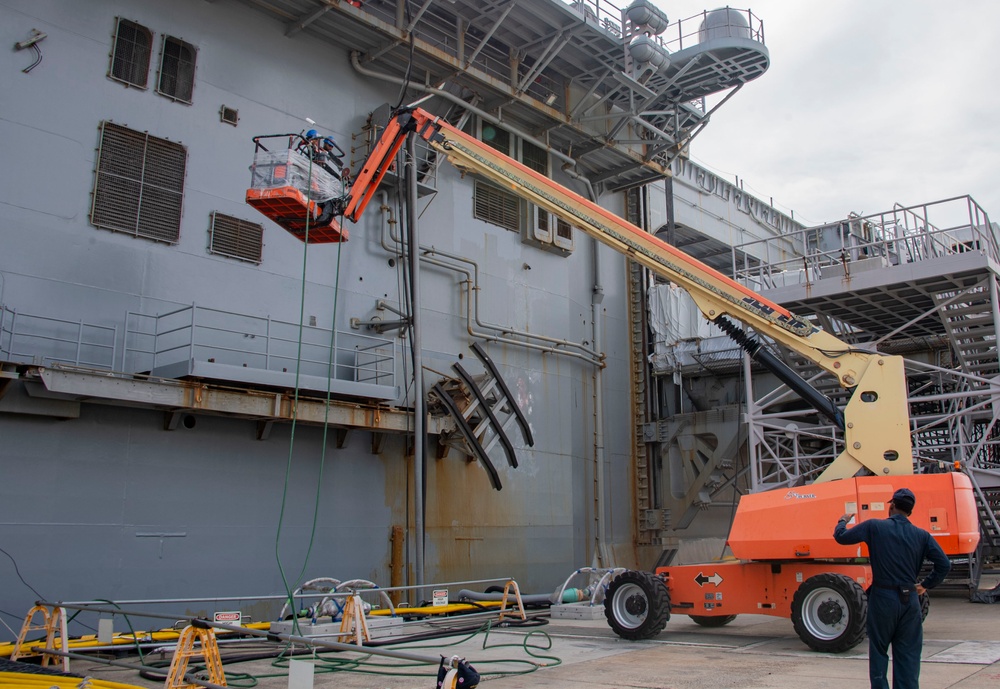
(798, 522)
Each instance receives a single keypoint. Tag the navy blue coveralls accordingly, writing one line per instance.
(897, 549)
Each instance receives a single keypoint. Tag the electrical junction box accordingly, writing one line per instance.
(577, 611)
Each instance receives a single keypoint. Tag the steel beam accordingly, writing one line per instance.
(302, 22)
(177, 395)
(467, 62)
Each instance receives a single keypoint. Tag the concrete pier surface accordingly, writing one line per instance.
(961, 651)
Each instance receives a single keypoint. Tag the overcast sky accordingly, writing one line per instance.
(866, 103)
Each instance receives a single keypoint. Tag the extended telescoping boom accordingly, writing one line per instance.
(881, 446)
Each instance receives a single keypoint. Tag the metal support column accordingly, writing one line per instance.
(419, 405)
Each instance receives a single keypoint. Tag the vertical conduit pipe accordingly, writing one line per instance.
(419, 414)
(597, 298)
(559, 346)
(601, 556)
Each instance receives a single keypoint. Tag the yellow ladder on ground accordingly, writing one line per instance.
(186, 650)
(353, 623)
(50, 620)
(517, 596)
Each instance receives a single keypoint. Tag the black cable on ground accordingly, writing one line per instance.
(32, 669)
(335, 661)
(450, 631)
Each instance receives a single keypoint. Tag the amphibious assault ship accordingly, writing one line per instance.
(198, 401)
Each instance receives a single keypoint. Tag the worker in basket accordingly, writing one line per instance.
(323, 151)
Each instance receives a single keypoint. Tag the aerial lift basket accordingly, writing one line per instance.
(294, 191)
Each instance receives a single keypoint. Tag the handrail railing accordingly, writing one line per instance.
(152, 342)
(43, 340)
(254, 342)
(895, 237)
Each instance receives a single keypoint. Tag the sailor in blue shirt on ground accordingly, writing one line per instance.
(897, 549)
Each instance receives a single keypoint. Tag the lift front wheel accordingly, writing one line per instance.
(829, 613)
(637, 605)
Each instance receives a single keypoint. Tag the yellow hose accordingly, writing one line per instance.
(31, 681)
(442, 609)
(121, 639)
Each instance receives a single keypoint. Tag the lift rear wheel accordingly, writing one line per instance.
(925, 605)
(637, 605)
(706, 621)
(829, 612)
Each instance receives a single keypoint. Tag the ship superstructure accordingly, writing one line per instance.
(168, 353)
(194, 401)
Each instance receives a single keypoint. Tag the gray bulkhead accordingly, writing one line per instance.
(103, 502)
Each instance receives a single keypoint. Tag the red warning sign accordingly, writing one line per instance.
(229, 617)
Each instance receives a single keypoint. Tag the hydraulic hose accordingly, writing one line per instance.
(752, 346)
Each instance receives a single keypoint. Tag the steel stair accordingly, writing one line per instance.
(988, 503)
(969, 324)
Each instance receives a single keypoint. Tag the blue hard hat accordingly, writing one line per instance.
(329, 142)
(312, 134)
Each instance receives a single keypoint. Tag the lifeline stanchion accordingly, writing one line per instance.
(511, 584)
(185, 650)
(58, 615)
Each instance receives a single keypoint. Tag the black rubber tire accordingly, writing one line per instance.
(637, 605)
(925, 606)
(829, 612)
(705, 621)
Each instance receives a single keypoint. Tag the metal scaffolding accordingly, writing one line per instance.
(616, 94)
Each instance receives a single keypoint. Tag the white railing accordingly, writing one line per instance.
(27, 338)
(187, 333)
(900, 236)
(215, 336)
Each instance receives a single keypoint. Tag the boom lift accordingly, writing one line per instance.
(787, 563)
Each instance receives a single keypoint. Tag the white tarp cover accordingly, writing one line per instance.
(680, 330)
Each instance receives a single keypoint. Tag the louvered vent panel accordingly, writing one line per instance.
(229, 115)
(177, 61)
(130, 56)
(236, 238)
(496, 206)
(139, 186)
